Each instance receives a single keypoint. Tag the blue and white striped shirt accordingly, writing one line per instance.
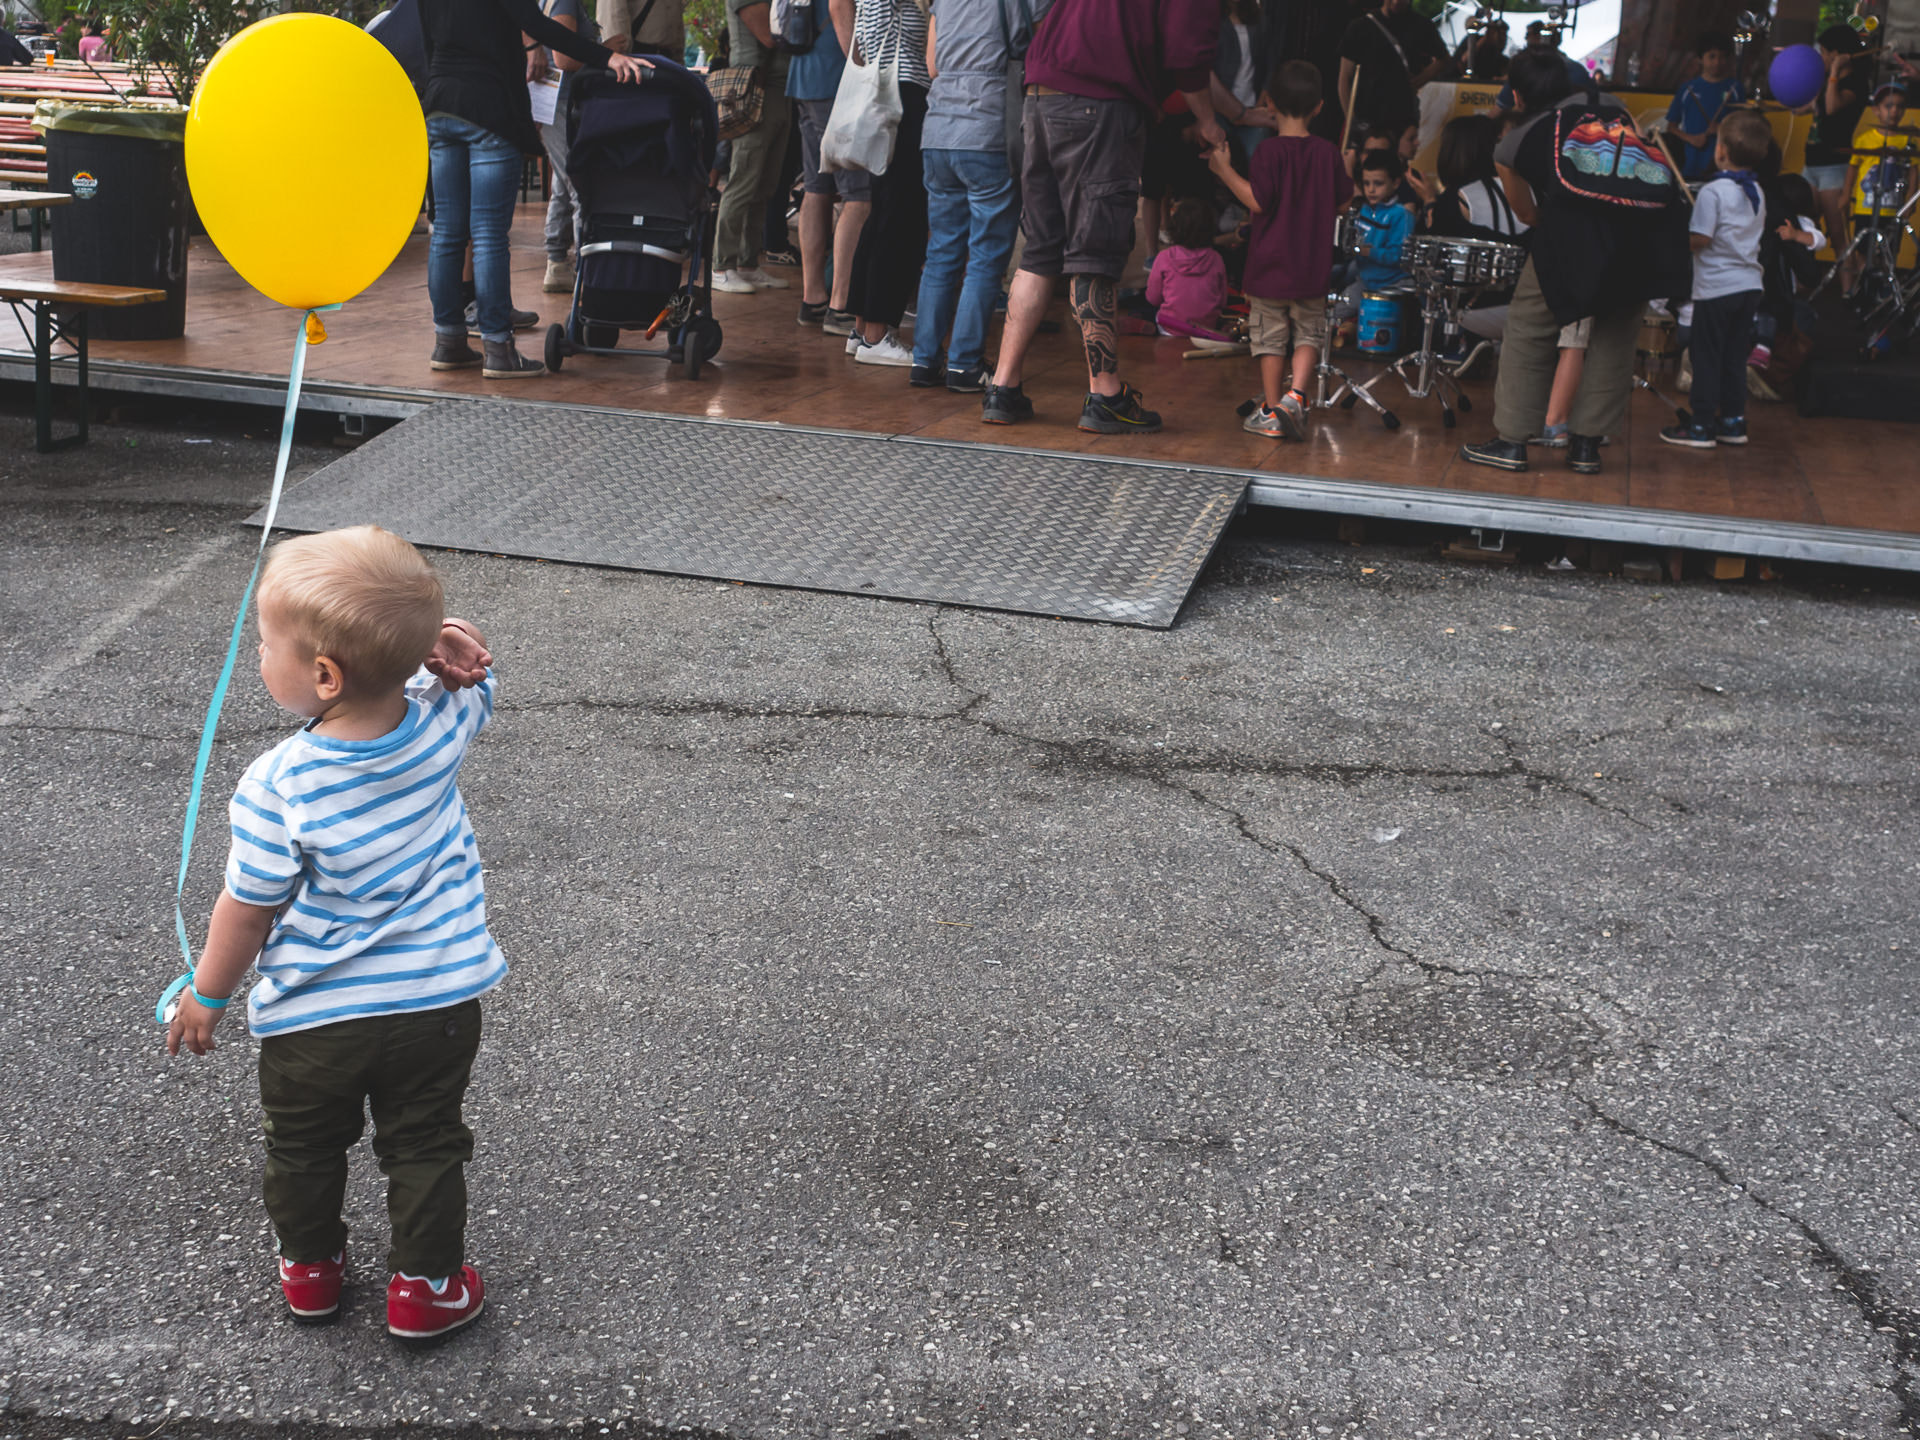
(366, 847)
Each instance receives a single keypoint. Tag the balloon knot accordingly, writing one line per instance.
(316, 332)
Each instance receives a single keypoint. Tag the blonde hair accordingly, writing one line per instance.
(363, 596)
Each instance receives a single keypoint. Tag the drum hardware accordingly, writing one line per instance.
(1450, 274)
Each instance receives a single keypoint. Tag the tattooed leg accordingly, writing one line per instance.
(1095, 306)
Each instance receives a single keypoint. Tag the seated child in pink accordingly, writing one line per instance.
(1188, 281)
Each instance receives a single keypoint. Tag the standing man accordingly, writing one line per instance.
(644, 27)
(813, 79)
(1385, 57)
(742, 223)
(1095, 74)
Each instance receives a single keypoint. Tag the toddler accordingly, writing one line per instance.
(1188, 281)
(1728, 217)
(1295, 186)
(354, 879)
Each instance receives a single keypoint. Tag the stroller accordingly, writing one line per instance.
(639, 156)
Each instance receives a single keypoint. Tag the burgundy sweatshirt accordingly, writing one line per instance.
(1125, 49)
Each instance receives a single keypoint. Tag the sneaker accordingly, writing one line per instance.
(927, 377)
(452, 352)
(1121, 414)
(1695, 437)
(1293, 415)
(559, 276)
(854, 342)
(887, 350)
(1761, 388)
(1731, 432)
(419, 1309)
(504, 362)
(1264, 421)
(971, 381)
(734, 282)
(838, 322)
(784, 258)
(1499, 454)
(313, 1291)
(522, 319)
(761, 280)
(1554, 437)
(1005, 405)
(1583, 454)
(811, 314)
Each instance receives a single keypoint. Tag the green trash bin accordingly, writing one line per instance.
(126, 169)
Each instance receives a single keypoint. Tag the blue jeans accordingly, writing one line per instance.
(475, 177)
(970, 221)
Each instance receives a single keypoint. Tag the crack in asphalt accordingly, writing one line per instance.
(1861, 1286)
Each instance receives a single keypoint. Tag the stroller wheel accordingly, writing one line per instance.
(602, 337)
(701, 342)
(556, 346)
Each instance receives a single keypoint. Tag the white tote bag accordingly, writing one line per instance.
(866, 115)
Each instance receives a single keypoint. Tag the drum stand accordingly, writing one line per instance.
(1441, 305)
(1349, 390)
(1882, 236)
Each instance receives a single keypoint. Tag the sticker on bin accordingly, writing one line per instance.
(84, 185)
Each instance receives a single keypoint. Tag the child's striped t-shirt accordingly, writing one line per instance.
(366, 847)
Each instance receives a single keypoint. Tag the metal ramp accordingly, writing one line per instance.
(998, 529)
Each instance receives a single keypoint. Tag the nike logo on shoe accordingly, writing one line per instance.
(459, 1304)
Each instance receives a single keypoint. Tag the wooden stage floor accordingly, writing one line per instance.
(1799, 481)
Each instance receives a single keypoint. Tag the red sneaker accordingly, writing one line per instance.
(313, 1291)
(417, 1311)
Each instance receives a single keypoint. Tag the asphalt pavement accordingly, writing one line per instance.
(1406, 999)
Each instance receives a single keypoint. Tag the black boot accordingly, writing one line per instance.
(452, 352)
(1583, 454)
(506, 363)
(1500, 454)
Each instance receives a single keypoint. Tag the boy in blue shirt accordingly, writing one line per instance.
(1384, 225)
(1699, 105)
(354, 879)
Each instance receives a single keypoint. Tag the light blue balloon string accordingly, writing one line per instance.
(212, 722)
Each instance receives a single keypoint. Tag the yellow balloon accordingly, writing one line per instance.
(307, 154)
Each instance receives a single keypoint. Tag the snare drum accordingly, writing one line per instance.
(1658, 336)
(1463, 263)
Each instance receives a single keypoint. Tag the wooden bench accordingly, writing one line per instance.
(34, 202)
(48, 297)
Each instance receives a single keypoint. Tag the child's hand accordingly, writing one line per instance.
(1220, 156)
(459, 659)
(192, 1026)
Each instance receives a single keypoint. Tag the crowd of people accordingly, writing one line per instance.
(1030, 138)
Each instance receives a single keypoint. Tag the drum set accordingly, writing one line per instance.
(1886, 300)
(1450, 276)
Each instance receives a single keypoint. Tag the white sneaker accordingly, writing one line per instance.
(854, 342)
(735, 282)
(761, 280)
(887, 350)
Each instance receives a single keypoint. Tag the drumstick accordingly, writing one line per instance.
(1660, 139)
(1346, 130)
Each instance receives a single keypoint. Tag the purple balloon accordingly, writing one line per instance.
(1796, 76)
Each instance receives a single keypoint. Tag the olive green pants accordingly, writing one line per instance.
(1531, 350)
(411, 1071)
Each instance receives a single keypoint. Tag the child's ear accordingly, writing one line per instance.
(329, 680)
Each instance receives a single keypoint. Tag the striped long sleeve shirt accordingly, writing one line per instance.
(365, 847)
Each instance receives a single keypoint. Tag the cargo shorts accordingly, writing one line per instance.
(1275, 326)
(1079, 183)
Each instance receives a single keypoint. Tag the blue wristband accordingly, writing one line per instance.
(161, 1013)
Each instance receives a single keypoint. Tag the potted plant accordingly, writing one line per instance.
(125, 165)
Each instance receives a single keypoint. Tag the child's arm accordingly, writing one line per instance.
(1157, 282)
(234, 937)
(1220, 158)
(460, 657)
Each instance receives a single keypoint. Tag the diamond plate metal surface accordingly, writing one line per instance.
(963, 525)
